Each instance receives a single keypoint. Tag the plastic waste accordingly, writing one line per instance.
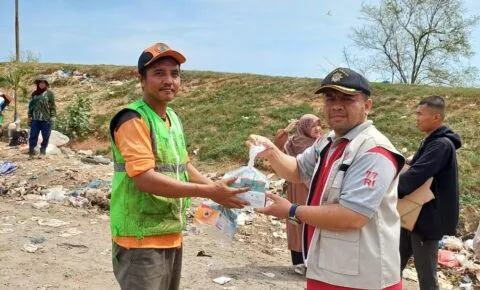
(7, 167)
(213, 214)
(58, 139)
(248, 176)
(55, 193)
(452, 243)
(52, 149)
(447, 258)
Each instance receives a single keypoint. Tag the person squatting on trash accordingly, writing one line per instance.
(352, 227)
(307, 131)
(153, 178)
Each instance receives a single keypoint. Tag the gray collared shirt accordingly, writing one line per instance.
(366, 180)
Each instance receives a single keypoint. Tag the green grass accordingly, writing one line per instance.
(220, 110)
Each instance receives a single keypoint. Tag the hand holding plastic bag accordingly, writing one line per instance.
(248, 176)
(260, 141)
(226, 195)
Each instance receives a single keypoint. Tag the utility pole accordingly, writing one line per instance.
(17, 57)
(17, 40)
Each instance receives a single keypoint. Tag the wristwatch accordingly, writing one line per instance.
(291, 214)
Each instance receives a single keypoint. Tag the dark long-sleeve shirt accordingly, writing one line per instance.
(42, 107)
(435, 158)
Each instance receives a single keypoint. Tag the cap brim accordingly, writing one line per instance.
(172, 53)
(345, 90)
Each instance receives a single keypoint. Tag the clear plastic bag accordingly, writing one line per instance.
(248, 176)
(211, 213)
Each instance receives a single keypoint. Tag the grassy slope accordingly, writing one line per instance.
(219, 110)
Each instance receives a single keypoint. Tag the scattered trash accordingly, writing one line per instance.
(79, 201)
(452, 243)
(269, 275)
(447, 258)
(466, 283)
(55, 193)
(70, 233)
(410, 274)
(444, 284)
(82, 248)
(191, 229)
(37, 240)
(58, 139)
(40, 204)
(116, 83)
(97, 183)
(244, 219)
(104, 217)
(203, 254)
(106, 252)
(85, 152)
(6, 230)
(53, 150)
(281, 235)
(7, 168)
(67, 151)
(222, 280)
(32, 197)
(468, 244)
(54, 223)
(96, 160)
(98, 197)
(30, 248)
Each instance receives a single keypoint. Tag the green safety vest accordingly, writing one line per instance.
(140, 214)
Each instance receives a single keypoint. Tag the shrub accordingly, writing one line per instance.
(74, 121)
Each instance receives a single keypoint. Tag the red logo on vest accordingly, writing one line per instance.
(370, 178)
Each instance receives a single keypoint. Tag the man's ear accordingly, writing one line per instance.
(142, 81)
(368, 105)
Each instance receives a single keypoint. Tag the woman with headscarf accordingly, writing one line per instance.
(41, 115)
(308, 130)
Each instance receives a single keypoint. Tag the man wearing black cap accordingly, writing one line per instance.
(154, 179)
(351, 230)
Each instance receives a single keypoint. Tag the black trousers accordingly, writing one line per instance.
(425, 255)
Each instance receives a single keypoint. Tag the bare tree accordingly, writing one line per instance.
(418, 40)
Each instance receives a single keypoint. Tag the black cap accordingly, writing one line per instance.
(346, 81)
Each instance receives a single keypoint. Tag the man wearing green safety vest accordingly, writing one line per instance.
(154, 179)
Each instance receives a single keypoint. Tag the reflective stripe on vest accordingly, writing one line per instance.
(161, 168)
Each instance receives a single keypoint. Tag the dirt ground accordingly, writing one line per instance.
(77, 254)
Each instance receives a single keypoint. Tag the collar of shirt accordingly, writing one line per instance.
(350, 134)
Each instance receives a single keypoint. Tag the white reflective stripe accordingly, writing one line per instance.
(161, 168)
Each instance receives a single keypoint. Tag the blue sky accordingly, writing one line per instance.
(273, 37)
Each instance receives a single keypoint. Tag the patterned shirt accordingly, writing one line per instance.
(42, 107)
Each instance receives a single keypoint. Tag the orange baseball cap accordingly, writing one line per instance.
(157, 51)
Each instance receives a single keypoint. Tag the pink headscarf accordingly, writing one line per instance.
(301, 140)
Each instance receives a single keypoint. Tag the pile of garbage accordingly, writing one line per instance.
(458, 263)
(75, 75)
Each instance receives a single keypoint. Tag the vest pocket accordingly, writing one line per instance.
(339, 252)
